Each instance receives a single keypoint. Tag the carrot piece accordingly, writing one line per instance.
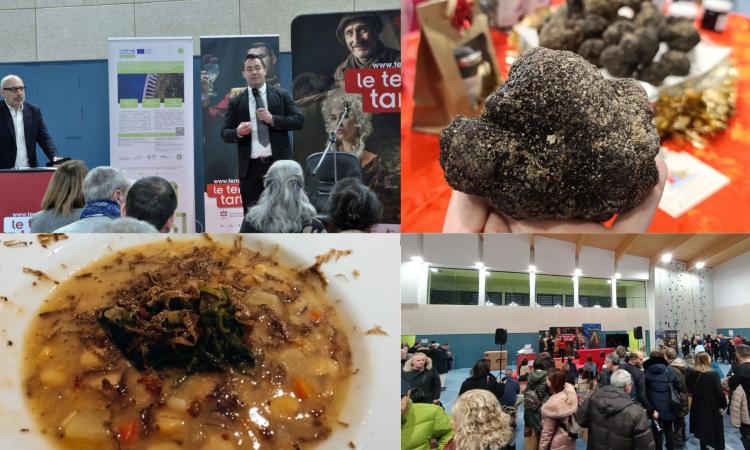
(301, 388)
(129, 432)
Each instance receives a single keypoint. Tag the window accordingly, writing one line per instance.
(507, 289)
(631, 294)
(453, 286)
(595, 292)
(554, 290)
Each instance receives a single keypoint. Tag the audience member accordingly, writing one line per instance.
(152, 200)
(421, 423)
(611, 364)
(104, 190)
(479, 423)
(590, 365)
(660, 380)
(63, 200)
(708, 404)
(741, 377)
(283, 206)
(614, 420)
(679, 366)
(535, 394)
(559, 430)
(512, 389)
(440, 361)
(423, 379)
(126, 225)
(353, 206)
(633, 367)
(481, 378)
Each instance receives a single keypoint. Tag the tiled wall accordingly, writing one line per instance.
(64, 30)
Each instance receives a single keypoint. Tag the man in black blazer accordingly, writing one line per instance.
(21, 127)
(259, 121)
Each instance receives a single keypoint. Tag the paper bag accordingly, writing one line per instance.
(439, 92)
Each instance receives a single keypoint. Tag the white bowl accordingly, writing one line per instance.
(372, 298)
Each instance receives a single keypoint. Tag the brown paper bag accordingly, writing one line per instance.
(439, 92)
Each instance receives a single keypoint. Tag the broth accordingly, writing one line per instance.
(88, 395)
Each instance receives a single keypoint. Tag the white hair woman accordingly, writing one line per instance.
(479, 422)
(283, 206)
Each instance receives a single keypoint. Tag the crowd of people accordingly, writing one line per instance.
(630, 402)
(103, 200)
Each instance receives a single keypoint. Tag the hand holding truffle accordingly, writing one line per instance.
(557, 141)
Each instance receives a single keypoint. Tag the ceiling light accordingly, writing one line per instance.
(700, 265)
(617, 275)
(433, 269)
(665, 258)
(597, 306)
(609, 281)
(417, 259)
(532, 268)
(479, 265)
(577, 272)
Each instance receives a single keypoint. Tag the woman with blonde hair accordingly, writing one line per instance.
(709, 403)
(479, 423)
(63, 201)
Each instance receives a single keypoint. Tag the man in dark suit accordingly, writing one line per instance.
(259, 121)
(21, 127)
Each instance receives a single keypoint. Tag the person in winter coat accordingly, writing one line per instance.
(611, 364)
(536, 387)
(659, 381)
(557, 413)
(633, 367)
(422, 378)
(481, 378)
(512, 389)
(709, 403)
(421, 422)
(615, 421)
(479, 423)
(685, 344)
(741, 377)
(440, 362)
(590, 365)
(571, 371)
(679, 366)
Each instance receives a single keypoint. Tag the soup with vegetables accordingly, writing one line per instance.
(188, 345)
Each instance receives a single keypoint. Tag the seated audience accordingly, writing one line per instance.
(63, 200)
(353, 206)
(104, 190)
(152, 200)
(283, 206)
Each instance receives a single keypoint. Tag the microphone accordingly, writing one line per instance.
(346, 109)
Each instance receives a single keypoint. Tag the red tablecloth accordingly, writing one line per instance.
(425, 194)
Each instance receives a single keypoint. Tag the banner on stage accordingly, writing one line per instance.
(221, 80)
(352, 59)
(593, 334)
(151, 115)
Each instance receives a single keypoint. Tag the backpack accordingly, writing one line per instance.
(532, 398)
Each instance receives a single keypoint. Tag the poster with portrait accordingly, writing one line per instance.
(593, 334)
(221, 80)
(351, 59)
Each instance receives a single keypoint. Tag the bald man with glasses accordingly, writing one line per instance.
(21, 127)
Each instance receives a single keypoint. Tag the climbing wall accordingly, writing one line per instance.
(684, 299)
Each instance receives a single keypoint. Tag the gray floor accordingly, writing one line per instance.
(456, 377)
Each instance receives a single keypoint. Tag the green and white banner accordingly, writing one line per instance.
(151, 114)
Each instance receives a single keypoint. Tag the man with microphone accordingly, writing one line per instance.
(21, 127)
(259, 121)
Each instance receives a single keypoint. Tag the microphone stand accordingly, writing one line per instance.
(332, 145)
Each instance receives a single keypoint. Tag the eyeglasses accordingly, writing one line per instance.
(15, 89)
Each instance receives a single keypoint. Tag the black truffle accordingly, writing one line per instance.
(604, 8)
(676, 62)
(561, 33)
(594, 26)
(654, 72)
(591, 49)
(617, 62)
(679, 34)
(556, 141)
(614, 32)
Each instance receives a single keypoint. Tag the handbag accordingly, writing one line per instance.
(573, 429)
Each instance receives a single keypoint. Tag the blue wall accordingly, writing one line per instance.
(75, 104)
(743, 331)
(467, 348)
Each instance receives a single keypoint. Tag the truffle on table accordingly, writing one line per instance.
(591, 49)
(613, 34)
(654, 72)
(561, 33)
(676, 62)
(619, 63)
(679, 34)
(594, 25)
(604, 8)
(556, 141)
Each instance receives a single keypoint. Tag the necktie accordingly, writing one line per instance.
(262, 127)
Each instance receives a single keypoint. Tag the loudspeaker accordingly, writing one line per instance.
(501, 336)
(638, 332)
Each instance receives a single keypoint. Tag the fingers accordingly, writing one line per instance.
(553, 225)
(496, 224)
(639, 218)
(466, 214)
